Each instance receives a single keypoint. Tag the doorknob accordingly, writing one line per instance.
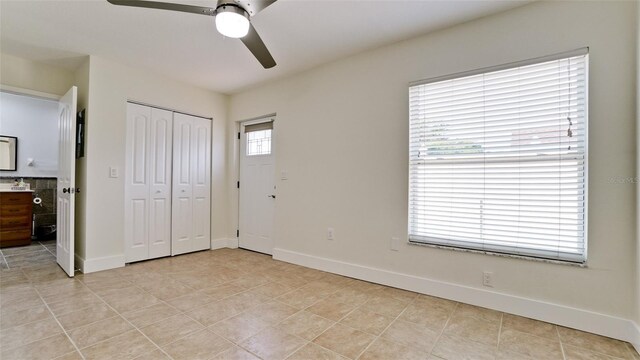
(66, 190)
(271, 196)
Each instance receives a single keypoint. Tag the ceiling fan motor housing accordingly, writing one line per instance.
(238, 6)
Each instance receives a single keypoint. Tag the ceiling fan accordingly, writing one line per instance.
(233, 19)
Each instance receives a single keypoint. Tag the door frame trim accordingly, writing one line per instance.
(28, 92)
(167, 109)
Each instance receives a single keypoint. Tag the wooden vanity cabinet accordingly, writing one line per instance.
(15, 218)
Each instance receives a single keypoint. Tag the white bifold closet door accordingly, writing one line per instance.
(191, 211)
(148, 183)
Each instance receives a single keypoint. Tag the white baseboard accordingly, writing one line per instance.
(636, 338)
(219, 243)
(602, 324)
(232, 243)
(99, 264)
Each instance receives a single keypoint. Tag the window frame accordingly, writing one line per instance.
(558, 56)
(269, 121)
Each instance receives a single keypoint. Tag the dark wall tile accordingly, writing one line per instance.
(45, 219)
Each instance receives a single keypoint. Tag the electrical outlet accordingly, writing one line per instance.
(487, 278)
(330, 234)
(395, 243)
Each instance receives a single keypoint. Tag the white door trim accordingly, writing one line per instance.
(28, 92)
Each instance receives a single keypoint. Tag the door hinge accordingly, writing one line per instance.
(238, 184)
(238, 136)
(238, 233)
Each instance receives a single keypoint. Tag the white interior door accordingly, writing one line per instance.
(160, 150)
(136, 190)
(148, 183)
(201, 163)
(66, 180)
(191, 210)
(257, 187)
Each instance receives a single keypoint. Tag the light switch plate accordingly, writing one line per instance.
(113, 172)
(284, 175)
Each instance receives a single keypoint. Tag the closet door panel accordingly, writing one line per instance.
(182, 240)
(182, 207)
(201, 172)
(137, 183)
(160, 183)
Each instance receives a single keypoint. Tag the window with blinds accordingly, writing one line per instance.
(498, 159)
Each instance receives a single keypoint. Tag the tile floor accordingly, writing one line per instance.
(236, 304)
(38, 253)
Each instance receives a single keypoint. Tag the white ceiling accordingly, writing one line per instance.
(300, 34)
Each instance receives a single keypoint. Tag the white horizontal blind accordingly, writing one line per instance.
(498, 160)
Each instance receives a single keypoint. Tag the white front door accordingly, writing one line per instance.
(257, 186)
(66, 180)
(191, 209)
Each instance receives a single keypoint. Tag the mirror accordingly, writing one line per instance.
(8, 153)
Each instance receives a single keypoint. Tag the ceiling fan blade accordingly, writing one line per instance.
(254, 43)
(254, 6)
(166, 6)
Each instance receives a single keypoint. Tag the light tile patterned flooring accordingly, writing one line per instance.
(236, 304)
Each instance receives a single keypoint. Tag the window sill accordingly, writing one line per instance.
(513, 256)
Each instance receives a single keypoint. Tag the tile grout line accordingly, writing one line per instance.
(50, 252)
(4, 259)
(325, 330)
(181, 312)
(125, 319)
(306, 342)
(562, 346)
(499, 332)
(59, 324)
(443, 328)
(631, 351)
(388, 326)
(237, 344)
(335, 322)
(564, 356)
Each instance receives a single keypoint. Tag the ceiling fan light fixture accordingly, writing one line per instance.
(232, 21)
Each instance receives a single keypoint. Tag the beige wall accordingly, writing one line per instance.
(342, 136)
(32, 75)
(111, 85)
